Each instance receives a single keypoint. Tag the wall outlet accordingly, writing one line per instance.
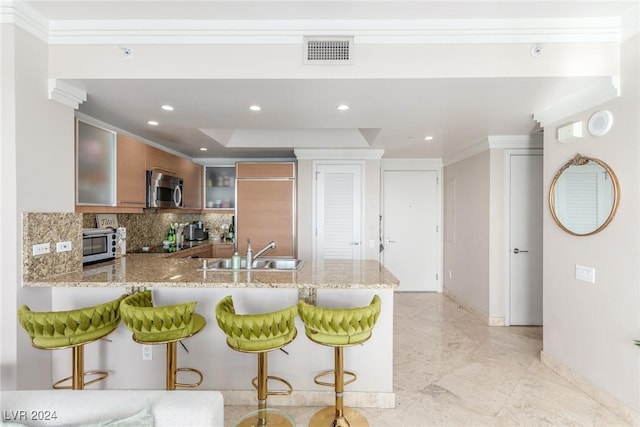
(41, 249)
(586, 274)
(147, 352)
(63, 246)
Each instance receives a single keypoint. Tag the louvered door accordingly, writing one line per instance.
(338, 211)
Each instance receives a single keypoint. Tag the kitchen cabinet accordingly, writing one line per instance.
(95, 165)
(220, 188)
(161, 161)
(222, 250)
(202, 251)
(131, 187)
(191, 173)
(266, 207)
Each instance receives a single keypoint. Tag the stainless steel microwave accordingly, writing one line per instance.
(163, 191)
(98, 244)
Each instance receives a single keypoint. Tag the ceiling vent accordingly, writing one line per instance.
(328, 50)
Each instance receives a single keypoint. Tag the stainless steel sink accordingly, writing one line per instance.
(280, 264)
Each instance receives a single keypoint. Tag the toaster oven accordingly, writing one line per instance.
(98, 244)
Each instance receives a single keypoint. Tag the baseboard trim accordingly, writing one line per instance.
(489, 320)
(313, 398)
(598, 394)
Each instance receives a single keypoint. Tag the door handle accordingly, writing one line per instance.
(354, 243)
(391, 241)
(517, 251)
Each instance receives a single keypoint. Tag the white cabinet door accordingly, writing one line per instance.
(338, 211)
(525, 235)
(411, 235)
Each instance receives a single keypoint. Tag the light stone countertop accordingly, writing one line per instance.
(156, 270)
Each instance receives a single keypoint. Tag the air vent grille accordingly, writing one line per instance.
(327, 51)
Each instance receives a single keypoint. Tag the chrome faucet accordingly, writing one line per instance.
(251, 258)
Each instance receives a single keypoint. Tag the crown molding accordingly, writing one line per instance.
(367, 31)
(497, 142)
(66, 94)
(580, 101)
(23, 16)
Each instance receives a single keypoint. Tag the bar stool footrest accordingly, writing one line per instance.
(190, 385)
(316, 379)
(102, 376)
(254, 382)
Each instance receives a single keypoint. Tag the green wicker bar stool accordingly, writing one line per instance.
(339, 328)
(163, 325)
(260, 333)
(56, 330)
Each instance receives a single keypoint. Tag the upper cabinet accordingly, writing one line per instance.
(132, 189)
(192, 175)
(220, 187)
(95, 165)
(111, 172)
(162, 161)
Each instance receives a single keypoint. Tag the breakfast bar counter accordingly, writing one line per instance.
(156, 270)
(330, 283)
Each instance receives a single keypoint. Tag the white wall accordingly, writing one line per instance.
(589, 328)
(466, 234)
(37, 175)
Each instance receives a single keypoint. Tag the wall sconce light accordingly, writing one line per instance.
(570, 132)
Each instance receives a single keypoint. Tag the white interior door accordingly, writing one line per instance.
(338, 211)
(411, 235)
(525, 234)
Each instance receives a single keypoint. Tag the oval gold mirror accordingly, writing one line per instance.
(584, 196)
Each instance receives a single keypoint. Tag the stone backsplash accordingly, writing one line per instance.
(150, 229)
(51, 228)
(147, 229)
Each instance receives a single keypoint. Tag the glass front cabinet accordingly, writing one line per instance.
(220, 187)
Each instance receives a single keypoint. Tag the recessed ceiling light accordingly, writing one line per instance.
(255, 108)
(153, 123)
(428, 138)
(343, 107)
(203, 148)
(167, 107)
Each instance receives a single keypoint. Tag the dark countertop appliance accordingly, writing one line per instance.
(196, 231)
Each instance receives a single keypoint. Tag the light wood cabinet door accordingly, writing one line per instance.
(265, 170)
(162, 161)
(222, 250)
(192, 175)
(265, 212)
(131, 176)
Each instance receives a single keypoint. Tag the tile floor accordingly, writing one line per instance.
(452, 370)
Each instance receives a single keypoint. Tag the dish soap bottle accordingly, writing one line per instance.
(236, 261)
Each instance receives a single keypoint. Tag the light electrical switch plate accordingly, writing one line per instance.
(63, 246)
(147, 352)
(570, 132)
(41, 249)
(586, 274)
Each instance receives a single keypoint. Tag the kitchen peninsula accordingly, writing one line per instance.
(336, 283)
